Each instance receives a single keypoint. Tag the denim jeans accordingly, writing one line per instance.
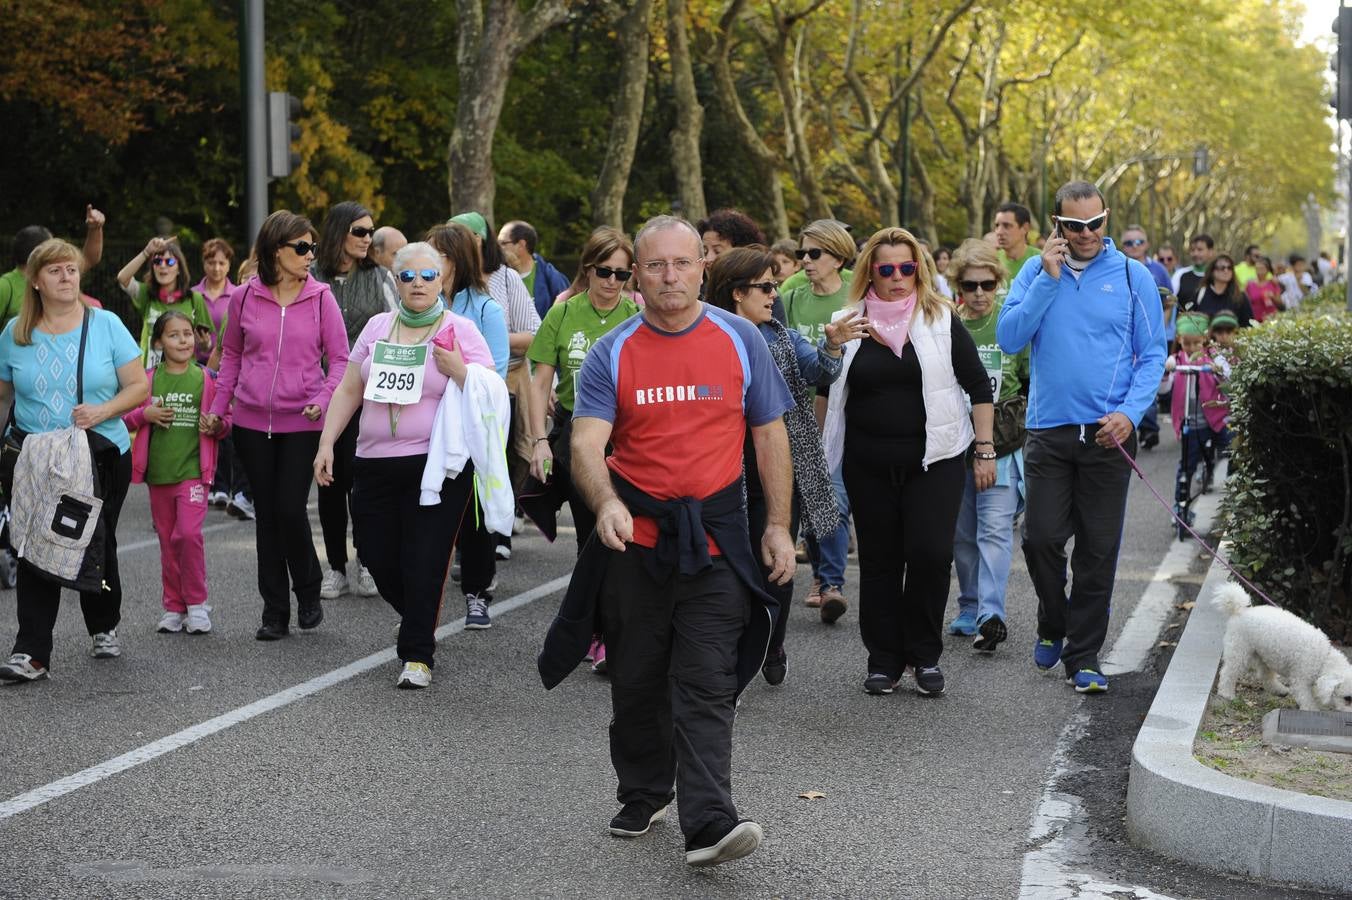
(828, 554)
(983, 545)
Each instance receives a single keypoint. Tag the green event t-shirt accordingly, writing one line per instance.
(150, 310)
(810, 313)
(1012, 266)
(175, 454)
(12, 287)
(1244, 273)
(1007, 371)
(568, 331)
(799, 278)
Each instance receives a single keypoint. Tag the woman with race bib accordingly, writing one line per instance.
(401, 365)
(983, 545)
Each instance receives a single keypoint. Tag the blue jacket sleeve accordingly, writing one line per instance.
(1021, 315)
(495, 333)
(1146, 342)
(814, 364)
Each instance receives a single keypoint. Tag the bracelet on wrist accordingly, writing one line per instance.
(538, 440)
(991, 455)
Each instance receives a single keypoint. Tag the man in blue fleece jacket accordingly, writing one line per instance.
(1093, 319)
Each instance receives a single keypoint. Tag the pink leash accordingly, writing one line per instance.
(1195, 536)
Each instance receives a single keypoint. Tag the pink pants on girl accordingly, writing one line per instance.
(178, 511)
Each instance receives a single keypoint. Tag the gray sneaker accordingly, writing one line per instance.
(106, 645)
(20, 668)
(476, 613)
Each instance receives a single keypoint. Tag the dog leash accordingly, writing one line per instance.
(1195, 536)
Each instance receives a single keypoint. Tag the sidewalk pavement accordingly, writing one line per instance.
(1185, 810)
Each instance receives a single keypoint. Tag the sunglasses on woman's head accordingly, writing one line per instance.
(907, 269)
(814, 253)
(969, 287)
(302, 248)
(361, 232)
(164, 261)
(1075, 226)
(605, 272)
(408, 275)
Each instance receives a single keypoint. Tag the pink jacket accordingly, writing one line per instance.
(140, 429)
(271, 359)
(1208, 390)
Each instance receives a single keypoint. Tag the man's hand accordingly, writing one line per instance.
(1054, 252)
(778, 553)
(1114, 425)
(614, 524)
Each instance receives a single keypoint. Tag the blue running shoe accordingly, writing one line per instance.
(1046, 654)
(965, 625)
(1088, 681)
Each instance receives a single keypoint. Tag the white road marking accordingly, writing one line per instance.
(1059, 825)
(195, 733)
(1142, 630)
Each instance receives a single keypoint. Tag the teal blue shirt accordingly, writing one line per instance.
(43, 374)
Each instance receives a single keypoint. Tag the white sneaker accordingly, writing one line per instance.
(171, 623)
(519, 525)
(415, 675)
(333, 585)
(366, 585)
(241, 507)
(503, 552)
(106, 645)
(198, 620)
(20, 668)
(219, 499)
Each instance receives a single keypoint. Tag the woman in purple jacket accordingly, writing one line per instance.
(279, 402)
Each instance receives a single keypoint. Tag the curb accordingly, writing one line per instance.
(1185, 810)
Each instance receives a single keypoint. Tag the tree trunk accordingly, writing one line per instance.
(800, 154)
(607, 199)
(489, 41)
(685, 137)
(767, 161)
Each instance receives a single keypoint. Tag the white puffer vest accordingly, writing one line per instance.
(948, 423)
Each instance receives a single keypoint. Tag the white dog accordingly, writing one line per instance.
(1277, 643)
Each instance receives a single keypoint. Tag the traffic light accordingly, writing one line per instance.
(1342, 64)
(283, 132)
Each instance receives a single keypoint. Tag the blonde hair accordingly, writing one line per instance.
(53, 250)
(832, 237)
(974, 254)
(927, 297)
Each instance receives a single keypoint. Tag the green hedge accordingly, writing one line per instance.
(1288, 503)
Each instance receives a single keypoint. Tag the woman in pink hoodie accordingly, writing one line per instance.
(281, 326)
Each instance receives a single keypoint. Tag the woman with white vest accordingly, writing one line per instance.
(399, 368)
(899, 418)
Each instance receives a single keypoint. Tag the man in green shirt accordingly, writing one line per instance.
(1247, 269)
(1013, 222)
(518, 241)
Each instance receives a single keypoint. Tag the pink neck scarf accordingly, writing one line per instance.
(891, 319)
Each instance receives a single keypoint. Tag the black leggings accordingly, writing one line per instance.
(280, 469)
(335, 498)
(905, 517)
(39, 598)
(408, 545)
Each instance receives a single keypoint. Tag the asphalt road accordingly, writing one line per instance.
(486, 785)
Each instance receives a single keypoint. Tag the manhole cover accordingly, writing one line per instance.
(1301, 728)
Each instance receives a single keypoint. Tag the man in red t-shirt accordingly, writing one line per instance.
(674, 390)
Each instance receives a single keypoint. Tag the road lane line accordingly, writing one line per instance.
(1139, 635)
(191, 735)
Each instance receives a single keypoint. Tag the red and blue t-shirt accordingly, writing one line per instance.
(679, 403)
